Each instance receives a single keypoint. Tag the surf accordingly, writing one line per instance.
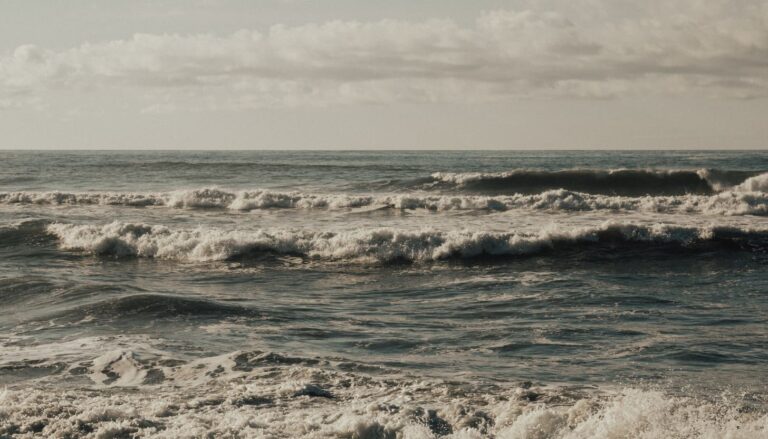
(386, 245)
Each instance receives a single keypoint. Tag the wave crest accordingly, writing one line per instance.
(758, 183)
(627, 182)
(380, 245)
(750, 198)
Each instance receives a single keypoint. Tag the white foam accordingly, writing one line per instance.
(84, 198)
(373, 245)
(117, 368)
(750, 198)
(258, 394)
(758, 183)
(463, 178)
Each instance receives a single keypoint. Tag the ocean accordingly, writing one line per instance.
(486, 294)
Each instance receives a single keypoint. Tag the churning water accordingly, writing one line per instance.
(382, 295)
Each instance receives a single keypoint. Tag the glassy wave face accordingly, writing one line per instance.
(384, 295)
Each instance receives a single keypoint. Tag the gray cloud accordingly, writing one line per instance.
(699, 51)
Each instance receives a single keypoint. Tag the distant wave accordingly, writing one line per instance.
(749, 198)
(628, 182)
(387, 245)
(210, 198)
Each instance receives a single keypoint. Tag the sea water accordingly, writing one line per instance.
(514, 294)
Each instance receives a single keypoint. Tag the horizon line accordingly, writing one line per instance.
(388, 149)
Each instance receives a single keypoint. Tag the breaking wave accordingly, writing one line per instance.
(627, 182)
(749, 198)
(758, 183)
(206, 198)
(387, 245)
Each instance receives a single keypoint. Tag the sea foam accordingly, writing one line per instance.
(747, 199)
(758, 183)
(247, 394)
(376, 245)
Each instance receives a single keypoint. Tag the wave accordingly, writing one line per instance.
(248, 166)
(246, 393)
(153, 306)
(210, 198)
(388, 245)
(757, 183)
(750, 198)
(24, 233)
(627, 182)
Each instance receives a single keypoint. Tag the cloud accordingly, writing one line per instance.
(698, 51)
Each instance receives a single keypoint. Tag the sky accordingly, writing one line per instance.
(400, 74)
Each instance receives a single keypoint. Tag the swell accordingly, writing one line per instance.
(25, 233)
(152, 306)
(626, 182)
(246, 166)
(751, 198)
(126, 240)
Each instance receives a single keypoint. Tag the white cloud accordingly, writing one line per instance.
(689, 50)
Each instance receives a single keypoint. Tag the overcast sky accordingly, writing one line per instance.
(275, 74)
